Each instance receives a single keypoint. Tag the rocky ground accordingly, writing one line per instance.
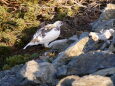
(84, 60)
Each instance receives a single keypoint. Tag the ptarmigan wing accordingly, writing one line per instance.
(43, 31)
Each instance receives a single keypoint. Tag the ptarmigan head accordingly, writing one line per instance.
(58, 23)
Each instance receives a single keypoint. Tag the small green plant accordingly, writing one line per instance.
(6, 67)
(4, 51)
(18, 59)
(34, 55)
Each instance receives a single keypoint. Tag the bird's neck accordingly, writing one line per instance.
(57, 26)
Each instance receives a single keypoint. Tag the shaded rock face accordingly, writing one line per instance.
(90, 62)
(89, 80)
(10, 77)
(106, 20)
(113, 79)
(105, 72)
(112, 47)
(101, 25)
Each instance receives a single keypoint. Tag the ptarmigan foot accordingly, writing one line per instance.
(46, 45)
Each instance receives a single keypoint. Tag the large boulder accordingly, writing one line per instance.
(88, 80)
(32, 73)
(90, 62)
(75, 49)
(92, 80)
(39, 73)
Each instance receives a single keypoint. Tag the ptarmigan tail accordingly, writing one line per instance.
(26, 46)
(29, 44)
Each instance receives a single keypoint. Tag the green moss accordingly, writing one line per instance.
(18, 59)
(4, 51)
(35, 55)
(13, 60)
(6, 67)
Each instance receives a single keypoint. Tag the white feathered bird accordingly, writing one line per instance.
(46, 34)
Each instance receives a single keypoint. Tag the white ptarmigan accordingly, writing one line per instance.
(46, 34)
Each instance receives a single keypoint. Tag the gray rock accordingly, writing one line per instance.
(108, 12)
(74, 38)
(106, 20)
(74, 50)
(60, 45)
(43, 72)
(112, 47)
(113, 79)
(103, 35)
(9, 80)
(93, 80)
(90, 62)
(61, 71)
(84, 34)
(67, 81)
(102, 25)
(12, 71)
(91, 45)
(10, 77)
(105, 72)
